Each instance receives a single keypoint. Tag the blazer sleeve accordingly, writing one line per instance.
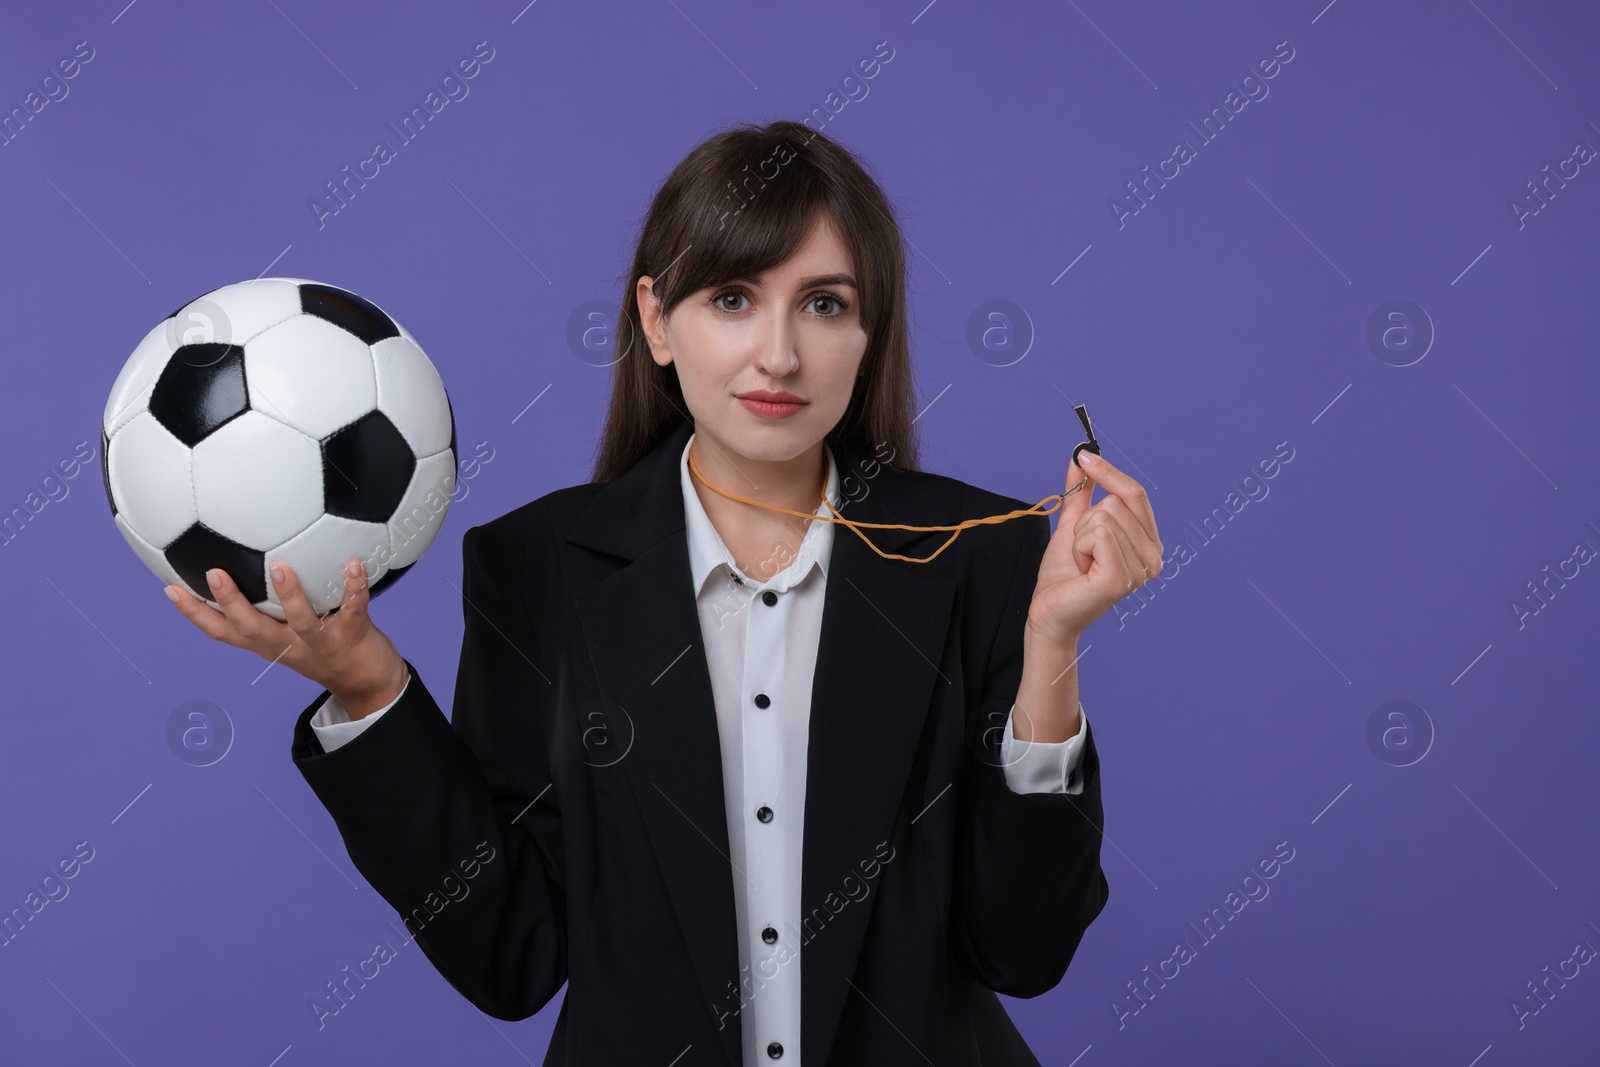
(1027, 879)
(453, 822)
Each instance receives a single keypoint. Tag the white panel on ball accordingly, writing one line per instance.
(130, 393)
(150, 480)
(310, 374)
(235, 313)
(324, 549)
(258, 482)
(411, 393)
(421, 513)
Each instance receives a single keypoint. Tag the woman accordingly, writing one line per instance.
(672, 762)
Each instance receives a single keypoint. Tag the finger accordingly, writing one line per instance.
(1108, 574)
(297, 609)
(1073, 507)
(357, 593)
(1118, 484)
(1136, 571)
(1147, 552)
(1082, 557)
(245, 618)
(1131, 570)
(208, 619)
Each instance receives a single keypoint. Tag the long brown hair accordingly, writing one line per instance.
(739, 204)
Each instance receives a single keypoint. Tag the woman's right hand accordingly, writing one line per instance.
(341, 651)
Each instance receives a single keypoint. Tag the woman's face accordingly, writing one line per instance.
(795, 331)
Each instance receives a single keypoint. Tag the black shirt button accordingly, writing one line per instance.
(774, 1050)
(769, 598)
(764, 813)
(762, 700)
(769, 935)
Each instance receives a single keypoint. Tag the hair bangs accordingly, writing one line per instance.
(728, 236)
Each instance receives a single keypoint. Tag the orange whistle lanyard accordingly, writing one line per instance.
(1055, 500)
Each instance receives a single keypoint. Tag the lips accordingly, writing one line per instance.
(771, 405)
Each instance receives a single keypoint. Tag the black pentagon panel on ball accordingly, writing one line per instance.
(347, 311)
(105, 468)
(366, 467)
(201, 387)
(390, 576)
(199, 548)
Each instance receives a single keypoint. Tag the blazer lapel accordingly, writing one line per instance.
(642, 630)
(884, 624)
(883, 628)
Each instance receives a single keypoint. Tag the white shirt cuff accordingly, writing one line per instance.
(1043, 766)
(333, 726)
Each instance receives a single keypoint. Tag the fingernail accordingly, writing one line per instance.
(277, 574)
(353, 569)
(214, 579)
(172, 594)
(1087, 459)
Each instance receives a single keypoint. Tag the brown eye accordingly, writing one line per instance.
(718, 298)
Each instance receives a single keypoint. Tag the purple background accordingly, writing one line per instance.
(1228, 315)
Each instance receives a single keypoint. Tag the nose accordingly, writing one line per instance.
(778, 355)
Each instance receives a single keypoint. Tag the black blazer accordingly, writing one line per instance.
(582, 760)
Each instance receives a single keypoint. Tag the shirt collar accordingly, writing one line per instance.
(707, 552)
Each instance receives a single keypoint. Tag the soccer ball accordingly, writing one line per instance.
(278, 419)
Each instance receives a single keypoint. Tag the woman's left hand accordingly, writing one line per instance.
(1097, 555)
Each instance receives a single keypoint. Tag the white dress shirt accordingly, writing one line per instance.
(761, 648)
